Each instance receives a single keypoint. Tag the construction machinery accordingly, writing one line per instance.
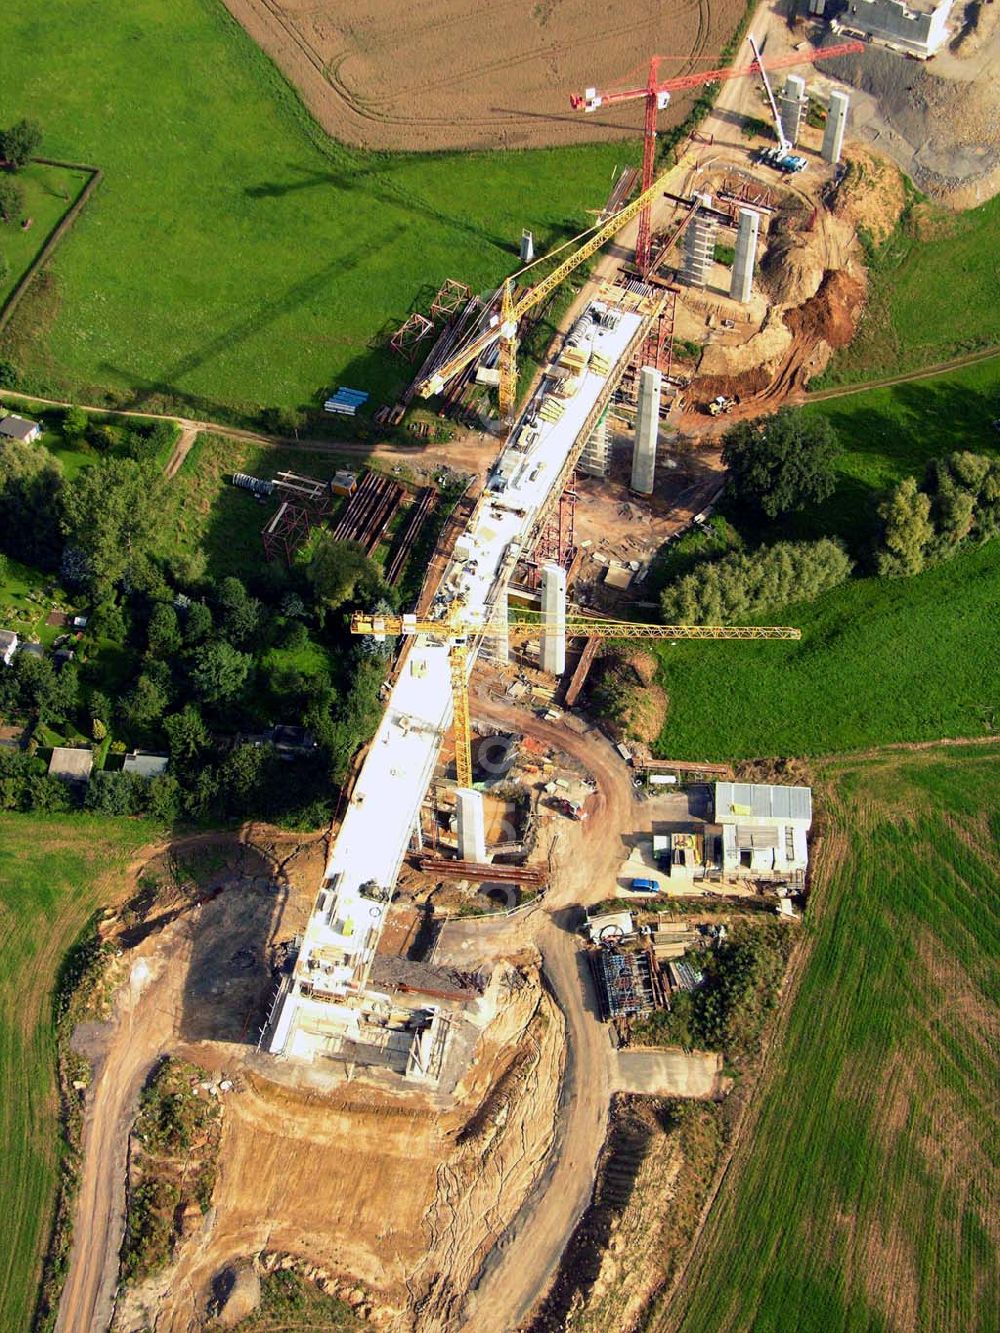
(504, 328)
(460, 635)
(721, 405)
(782, 156)
(656, 94)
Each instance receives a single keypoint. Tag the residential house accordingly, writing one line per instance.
(146, 765)
(20, 428)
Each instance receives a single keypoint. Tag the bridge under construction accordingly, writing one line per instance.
(326, 1007)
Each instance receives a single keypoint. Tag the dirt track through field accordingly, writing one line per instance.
(88, 1297)
(454, 75)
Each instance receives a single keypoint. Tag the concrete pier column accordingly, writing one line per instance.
(791, 106)
(647, 430)
(741, 287)
(471, 825)
(836, 124)
(554, 619)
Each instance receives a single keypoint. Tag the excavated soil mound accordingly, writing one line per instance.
(764, 351)
(792, 269)
(871, 195)
(447, 74)
(832, 315)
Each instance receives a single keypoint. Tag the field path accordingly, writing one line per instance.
(925, 373)
(474, 453)
(182, 448)
(142, 1030)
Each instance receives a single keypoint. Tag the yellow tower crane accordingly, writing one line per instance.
(459, 633)
(511, 311)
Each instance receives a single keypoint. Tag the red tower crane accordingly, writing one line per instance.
(657, 94)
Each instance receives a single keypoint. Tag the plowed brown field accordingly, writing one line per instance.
(456, 74)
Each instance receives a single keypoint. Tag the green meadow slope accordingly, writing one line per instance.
(234, 256)
(53, 874)
(880, 660)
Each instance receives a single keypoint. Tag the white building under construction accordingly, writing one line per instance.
(918, 27)
(327, 1006)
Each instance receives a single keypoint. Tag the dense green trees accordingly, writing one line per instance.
(75, 422)
(907, 529)
(743, 584)
(174, 660)
(20, 142)
(25, 785)
(960, 501)
(109, 513)
(31, 492)
(741, 981)
(340, 572)
(780, 463)
(219, 671)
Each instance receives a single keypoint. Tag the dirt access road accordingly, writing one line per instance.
(89, 1294)
(473, 453)
(520, 1268)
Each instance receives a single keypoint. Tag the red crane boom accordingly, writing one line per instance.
(657, 94)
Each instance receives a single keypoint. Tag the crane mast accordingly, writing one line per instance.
(779, 129)
(511, 311)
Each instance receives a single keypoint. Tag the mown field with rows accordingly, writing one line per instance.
(865, 1194)
(53, 874)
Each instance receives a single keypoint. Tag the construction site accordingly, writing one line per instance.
(428, 992)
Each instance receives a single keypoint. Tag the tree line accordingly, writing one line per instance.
(745, 584)
(786, 463)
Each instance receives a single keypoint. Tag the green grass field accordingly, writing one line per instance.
(233, 256)
(49, 193)
(888, 434)
(880, 660)
(53, 873)
(935, 294)
(864, 1197)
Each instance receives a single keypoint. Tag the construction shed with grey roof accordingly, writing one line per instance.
(763, 829)
(72, 765)
(753, 803)
(146, 765)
